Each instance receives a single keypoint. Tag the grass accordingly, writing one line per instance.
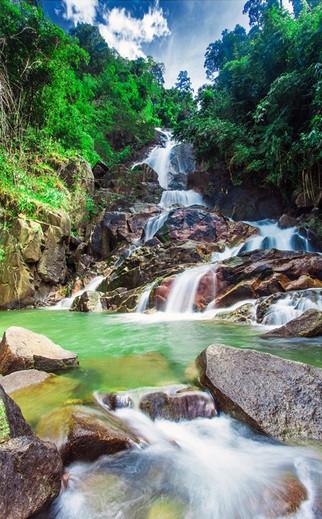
(4, 425)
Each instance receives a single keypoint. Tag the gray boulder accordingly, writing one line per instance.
(279, 397)
(22, 349)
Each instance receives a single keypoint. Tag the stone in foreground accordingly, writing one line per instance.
(84, 434)
(22, 349)
(279, 397)
(308, 324)
(30, 469)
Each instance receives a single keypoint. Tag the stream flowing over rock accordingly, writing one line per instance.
(279, 397)
(30, 469)
(22, 349)
(309, 324)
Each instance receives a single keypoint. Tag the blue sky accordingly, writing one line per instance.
(176, 32)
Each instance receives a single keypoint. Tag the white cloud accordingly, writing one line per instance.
(127, 34)
(80, 11)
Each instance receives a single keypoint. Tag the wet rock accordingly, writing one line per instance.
(242, 314)
(115, 401)
(84, 434)
(109, 233)
(182, 163)
(182, 405)
(287, 221)
(309, 324)
(261, 273)
(194, 223)
(89, 301)
(279, 397)
(285, 499)
(120, 300)
(30, 469)
(304, 282)
(22, 379)
(22, 349)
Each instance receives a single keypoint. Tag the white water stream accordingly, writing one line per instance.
(66, 303)
(205, 468)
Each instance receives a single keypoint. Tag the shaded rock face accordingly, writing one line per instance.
(309, 324)
(182, 405)
(22, 349)
(182, 163)
(279, 397)
(84, 434)
(261, 273)
(30, 469)
(197, 224)
(237, 202)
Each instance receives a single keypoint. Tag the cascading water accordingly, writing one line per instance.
(181, 198)
(153, 225)
(66, 303)
(291, 305)
(205, 468)
(159, 158)
(271, 236)
(144, 299)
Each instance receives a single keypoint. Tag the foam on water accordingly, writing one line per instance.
(210, 468)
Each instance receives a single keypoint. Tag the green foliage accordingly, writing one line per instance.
(261, 116)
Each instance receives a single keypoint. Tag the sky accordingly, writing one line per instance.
(175, 32)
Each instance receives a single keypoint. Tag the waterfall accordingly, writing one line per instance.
(209, 468)
(181, 198)
(291, 305)
(66, 303)
(159, 158)
(153, 225)
(184, 290)
(144, 299)
(271, 236)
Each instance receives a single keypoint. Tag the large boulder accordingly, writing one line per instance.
(22, 349)
(16, 281)
(309, 324)
(279, 397)
(83, 434)
(195, 223)
(29, 235)
(30, 469)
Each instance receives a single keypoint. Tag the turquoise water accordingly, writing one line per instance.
(126, 351)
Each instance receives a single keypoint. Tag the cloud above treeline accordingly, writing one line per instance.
(119, 28)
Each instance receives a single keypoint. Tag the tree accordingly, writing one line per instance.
(232, 45)
(183, 83)
(256, 9)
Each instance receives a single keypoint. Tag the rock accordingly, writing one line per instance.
(84, 434)
(260, 273)
(109, 233)
(52, 266)
(29, 235)
(279, 397)
(22, 349)
(22, 379)
(16, 282)
(242, 314)
(182, 163)
(12, 423)
(89, 301)
(304, 282)
(30, 469)
(195, 223)
(287, 221)
(309, 324)
(185, 404)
